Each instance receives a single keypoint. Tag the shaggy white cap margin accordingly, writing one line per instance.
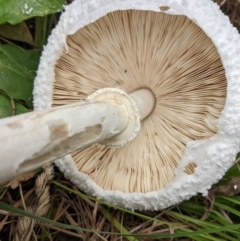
(213, 156)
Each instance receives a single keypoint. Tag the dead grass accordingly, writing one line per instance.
(70, 209)
(232, 9)
(65, 206)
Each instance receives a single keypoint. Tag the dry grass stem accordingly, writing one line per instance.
(232, 9)
(25, 225)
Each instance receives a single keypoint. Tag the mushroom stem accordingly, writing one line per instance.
(33, 139)
(145, 101)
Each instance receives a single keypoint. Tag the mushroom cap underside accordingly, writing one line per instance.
(133, 49)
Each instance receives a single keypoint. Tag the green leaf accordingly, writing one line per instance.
(17, 71)
(227, 208)
(6, 108)
(18, 32)
(15, 11)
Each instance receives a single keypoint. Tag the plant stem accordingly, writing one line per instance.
(41, 30)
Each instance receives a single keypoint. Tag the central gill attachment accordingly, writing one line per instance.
(139, 104)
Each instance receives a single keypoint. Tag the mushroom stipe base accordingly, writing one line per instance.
(185, 51)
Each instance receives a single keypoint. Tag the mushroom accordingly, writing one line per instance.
(185, 54)
(177, 62)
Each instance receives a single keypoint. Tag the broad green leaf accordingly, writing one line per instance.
(18, 32)
(15, 11)
(17, 71)
(6, 107)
